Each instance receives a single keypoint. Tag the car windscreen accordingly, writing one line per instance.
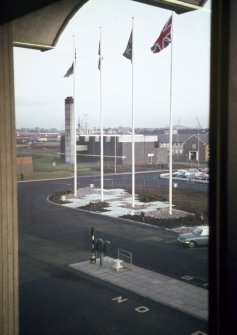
(197, 231)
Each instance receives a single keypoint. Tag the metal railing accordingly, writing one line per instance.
(126, 257)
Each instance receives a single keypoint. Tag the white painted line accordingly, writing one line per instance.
(142, 309)
(187, 278)
(119, 299)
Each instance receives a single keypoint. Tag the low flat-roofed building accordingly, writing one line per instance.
(119, 147)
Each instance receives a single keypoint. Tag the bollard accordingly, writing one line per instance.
(99, 247)
(106, 247)
(102, 247)
(202, 218)
(93, 253)
(101, 258)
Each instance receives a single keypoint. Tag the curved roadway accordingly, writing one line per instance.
(152, 247)
(53, 300)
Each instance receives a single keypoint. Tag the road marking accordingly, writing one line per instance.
(142, 309)
(63, 183)
(187, 278)
(201, 281)
(119, 299)
(139, 309)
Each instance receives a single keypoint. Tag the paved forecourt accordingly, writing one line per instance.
(171, 292)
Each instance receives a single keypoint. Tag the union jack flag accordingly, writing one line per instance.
(164, 39)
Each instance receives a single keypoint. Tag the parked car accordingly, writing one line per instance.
(205, 170)
(198, 175)
(179, 173)
(191, 173)
(202, 176)
(199, 236)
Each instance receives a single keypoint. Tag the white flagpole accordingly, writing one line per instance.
(171, 126)
(101, 124)
(75, 123)
(133, 134)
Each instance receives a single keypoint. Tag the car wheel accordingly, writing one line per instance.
(192, 244)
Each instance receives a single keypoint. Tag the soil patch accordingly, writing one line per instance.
(96, 206)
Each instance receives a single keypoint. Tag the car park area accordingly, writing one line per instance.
(190, 174)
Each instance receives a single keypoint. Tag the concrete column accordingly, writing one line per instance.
(9, 323)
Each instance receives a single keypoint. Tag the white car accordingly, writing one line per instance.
(179, 173)
(191, 173)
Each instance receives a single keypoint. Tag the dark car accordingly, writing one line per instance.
(199, 236)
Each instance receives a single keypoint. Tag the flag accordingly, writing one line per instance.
(99, 57)
(71, 68)
(128, 52)
(75, 57)
(164, 39)
(70, 71)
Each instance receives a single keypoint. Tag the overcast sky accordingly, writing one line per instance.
(40, 86)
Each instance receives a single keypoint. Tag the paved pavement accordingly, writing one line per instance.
(157, 287)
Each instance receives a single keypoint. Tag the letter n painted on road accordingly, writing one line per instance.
(142, 309)
(119, 299)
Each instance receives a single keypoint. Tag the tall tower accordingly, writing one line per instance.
(69, 130)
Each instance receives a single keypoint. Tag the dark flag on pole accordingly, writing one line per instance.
(164, 39)
(71, 68)
(128, 52)
(70, 71)
(99, 57)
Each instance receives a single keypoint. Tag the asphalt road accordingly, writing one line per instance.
(53, 300)
(151, 178)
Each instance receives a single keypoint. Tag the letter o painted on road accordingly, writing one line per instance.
(141, 309)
